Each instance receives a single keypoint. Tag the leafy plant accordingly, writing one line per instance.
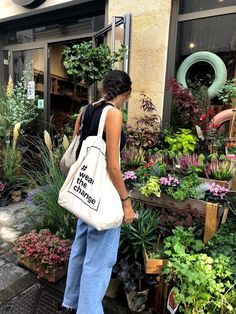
(182, 142)
(185, 188)
(220, 170)
(90, 64)
(141, 233)
(11, 170)
(151, 187)
(190, 163)
(132, 158)
(15, 107)
(146, 130)
(49, 179)
(228, 93)
(202, 284)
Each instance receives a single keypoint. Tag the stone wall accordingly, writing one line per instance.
(149, 42)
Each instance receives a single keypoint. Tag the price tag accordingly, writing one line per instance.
(171, 305)
(40, 103)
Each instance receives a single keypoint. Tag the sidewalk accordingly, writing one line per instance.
(20, 290)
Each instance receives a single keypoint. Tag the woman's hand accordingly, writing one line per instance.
(128, 212)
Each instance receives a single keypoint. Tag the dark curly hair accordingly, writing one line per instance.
(115, 83)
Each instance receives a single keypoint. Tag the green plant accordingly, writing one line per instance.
(151, 187)
(11, 170)
(88, 63)
(141, 233)
(49, 180)
(145, 133)
(185, 189)
(183, 141)
(132, 158)
(220, 170)
(15, 107)
(228, 93)
(202, 284)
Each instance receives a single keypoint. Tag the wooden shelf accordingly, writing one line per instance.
(213, 213)
(61, 86)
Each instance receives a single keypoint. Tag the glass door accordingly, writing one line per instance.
(115, 35)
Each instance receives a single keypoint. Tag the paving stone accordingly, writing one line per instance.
(14, 279)
(9, 234)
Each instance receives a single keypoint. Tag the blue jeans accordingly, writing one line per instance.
(93, 254)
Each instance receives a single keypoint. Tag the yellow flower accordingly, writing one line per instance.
(9, 90)
(16, 133)
(65, 142)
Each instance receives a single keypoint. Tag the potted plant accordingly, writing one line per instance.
(141, 233)
(220, 172)
(90, 64)
(44, 253)
(154, 258)
(131, 275)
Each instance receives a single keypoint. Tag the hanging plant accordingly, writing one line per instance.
(90, 64)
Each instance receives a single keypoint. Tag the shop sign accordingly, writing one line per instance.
(29, 4)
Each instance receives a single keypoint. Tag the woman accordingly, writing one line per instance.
(93, 252)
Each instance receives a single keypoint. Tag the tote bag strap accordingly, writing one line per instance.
(102, 120)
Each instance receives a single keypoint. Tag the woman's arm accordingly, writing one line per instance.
(77, 125)
(113, 127)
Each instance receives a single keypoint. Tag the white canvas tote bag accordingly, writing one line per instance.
(88, 191)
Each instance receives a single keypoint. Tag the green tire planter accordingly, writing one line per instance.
(212, 59)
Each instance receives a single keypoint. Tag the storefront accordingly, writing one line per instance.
(32, 45)
(159, 35)
(35, 33)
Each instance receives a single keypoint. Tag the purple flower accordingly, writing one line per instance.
(169, 181)
(129, 175)
(217, 190)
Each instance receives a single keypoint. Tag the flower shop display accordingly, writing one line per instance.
(44, 253)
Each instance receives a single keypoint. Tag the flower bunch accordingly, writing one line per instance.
(169, 181)
(129, 175)
(129, 178)
(217, 190)
(44, 248)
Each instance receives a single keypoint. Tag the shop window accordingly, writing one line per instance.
(215, 34)
(187, 6)
(63, 29)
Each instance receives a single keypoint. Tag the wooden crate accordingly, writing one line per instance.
(213, 213)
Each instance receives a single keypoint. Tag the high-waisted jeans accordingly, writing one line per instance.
(93, 254)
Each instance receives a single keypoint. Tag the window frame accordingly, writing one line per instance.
(177, 18)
